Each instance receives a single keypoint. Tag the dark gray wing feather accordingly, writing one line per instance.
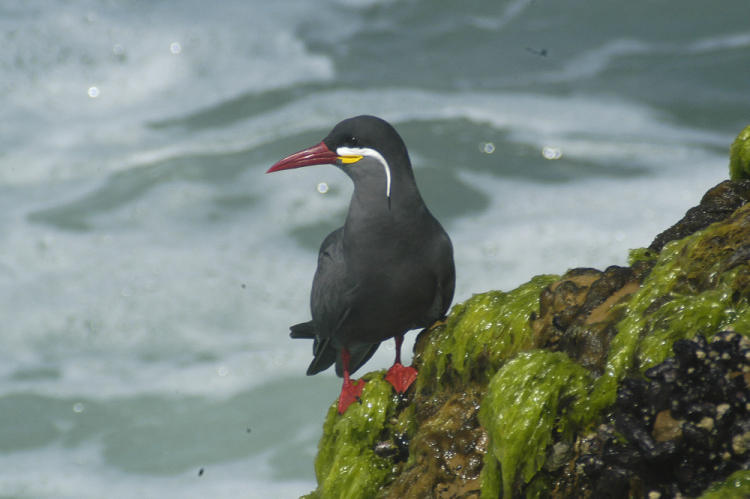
(332, 289)
(329, 302)
(324, 355)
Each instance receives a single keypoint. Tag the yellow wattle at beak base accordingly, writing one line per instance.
(348, 160)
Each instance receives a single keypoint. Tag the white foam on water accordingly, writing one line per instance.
(717, 43)
(126, 305)
(613, 129)
(53, 128)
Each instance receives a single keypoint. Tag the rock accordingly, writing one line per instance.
(666, 427)
(680, 424)
(716, 205)
(630, 381)
(578, 313)
(448, 452)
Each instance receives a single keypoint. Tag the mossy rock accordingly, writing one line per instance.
(348, 464)
(510, 380)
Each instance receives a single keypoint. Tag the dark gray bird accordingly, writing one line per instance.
(389, 269)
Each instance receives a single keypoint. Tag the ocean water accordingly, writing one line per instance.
(149, 270)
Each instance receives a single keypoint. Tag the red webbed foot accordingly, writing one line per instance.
(350, 393)
(401, 377)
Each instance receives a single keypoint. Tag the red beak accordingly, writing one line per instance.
(315, 155)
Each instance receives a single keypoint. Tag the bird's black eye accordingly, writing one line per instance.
(353, 141)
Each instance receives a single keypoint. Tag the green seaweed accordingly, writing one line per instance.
(491, 478)
(688, 292)
(736, 485)
(480, 334)
(684, 316)
(739, 156)
(741, 323)
(530, 398)
(346, 465)
(641, 255)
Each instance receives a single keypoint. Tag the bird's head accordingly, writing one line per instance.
(365, 147)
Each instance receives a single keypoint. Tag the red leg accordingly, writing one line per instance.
(349, 391)
(399, 341)
(399, 376)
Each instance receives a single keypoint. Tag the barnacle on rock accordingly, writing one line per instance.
(679, 428)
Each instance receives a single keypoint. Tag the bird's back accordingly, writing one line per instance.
(404, 275)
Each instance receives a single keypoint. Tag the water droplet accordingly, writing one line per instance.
(222, 371)
(488, 148)
(118, 49)
(175, 48)
(93, 92)
(78, 407)
(550, 152)
(322, 187)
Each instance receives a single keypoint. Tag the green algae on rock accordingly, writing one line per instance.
(347, 464)
(531, 398)
(642, 255)
(478, 336)
(700, 284)
(739, 156)
(737, 485)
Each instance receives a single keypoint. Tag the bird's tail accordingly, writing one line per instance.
(325, 354)
(304, 330)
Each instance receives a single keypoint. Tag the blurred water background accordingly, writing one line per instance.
(149, 269)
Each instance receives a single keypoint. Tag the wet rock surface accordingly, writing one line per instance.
(578, 313)
(716, 205)
(681, 427)
(448, 453)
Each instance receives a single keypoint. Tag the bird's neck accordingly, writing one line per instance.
(371, 200)
(373, 215)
